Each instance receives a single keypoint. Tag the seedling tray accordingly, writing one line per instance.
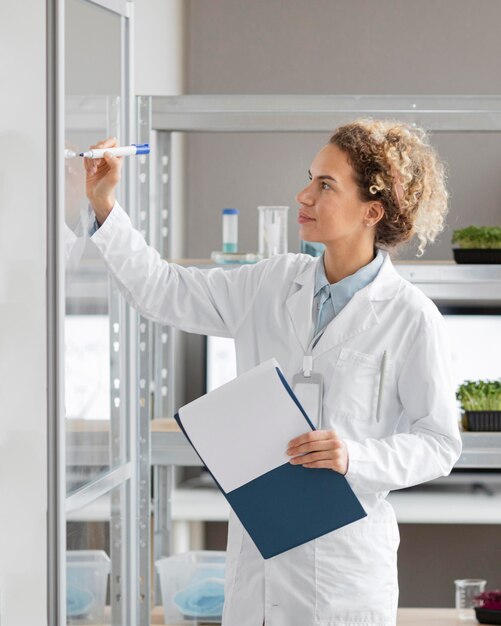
(477, 255)
(482, 421)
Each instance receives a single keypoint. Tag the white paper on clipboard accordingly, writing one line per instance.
(241, 430)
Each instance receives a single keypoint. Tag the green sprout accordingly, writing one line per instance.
(478, 237)
(480, 395)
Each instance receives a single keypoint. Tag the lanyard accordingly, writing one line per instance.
(317, 377)
(308, 358)
(308, 385)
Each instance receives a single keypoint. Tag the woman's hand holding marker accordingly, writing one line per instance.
(103, 175)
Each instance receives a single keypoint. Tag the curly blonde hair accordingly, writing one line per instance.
(394, 163)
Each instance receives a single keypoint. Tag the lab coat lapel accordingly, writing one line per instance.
(299, 304)
(356, 317)
(360, 314)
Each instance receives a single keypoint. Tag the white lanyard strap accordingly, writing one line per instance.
(307, 365)
(308, 358)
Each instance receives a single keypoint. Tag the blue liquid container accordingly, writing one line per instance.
(230, 230)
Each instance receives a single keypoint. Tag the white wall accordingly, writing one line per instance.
(23, 418)
(160, 41)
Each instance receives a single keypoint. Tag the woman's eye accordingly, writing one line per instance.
(325, 185)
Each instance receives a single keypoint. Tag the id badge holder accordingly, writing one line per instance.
(308, 387)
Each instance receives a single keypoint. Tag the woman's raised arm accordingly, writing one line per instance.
(212, 302)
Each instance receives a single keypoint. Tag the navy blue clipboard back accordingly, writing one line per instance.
(291, 504)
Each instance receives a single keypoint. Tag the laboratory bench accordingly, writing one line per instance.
(405, 617)
(430, 617)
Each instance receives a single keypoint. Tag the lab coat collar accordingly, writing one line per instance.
(356, 317)
(387, 283)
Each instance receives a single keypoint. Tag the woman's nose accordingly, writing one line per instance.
(304, 196)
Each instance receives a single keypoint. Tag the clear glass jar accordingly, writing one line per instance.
(272, 230)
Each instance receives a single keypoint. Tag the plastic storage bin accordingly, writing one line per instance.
(86, 583)
(192, 586)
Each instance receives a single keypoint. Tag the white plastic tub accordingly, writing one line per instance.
(86, 584)
(192, 586)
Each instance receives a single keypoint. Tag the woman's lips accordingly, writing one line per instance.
(303, 219)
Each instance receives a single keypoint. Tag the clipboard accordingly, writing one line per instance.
(240, 432)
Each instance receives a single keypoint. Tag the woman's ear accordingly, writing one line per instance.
(375, 212)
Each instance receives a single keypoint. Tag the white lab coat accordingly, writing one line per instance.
(347, 577)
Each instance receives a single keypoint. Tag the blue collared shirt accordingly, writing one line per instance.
(329, 299)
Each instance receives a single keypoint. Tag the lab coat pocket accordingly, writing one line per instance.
(356, 575)
(353, 390)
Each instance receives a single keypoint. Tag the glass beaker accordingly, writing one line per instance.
(272, 230)
(466, 590)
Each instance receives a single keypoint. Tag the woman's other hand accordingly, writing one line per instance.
(320, 448)
(102, 176)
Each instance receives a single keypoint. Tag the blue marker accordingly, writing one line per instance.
(98, 153)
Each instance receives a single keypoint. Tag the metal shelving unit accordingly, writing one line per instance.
(76, 113)
(319, 113)
(444, 282)
(480, 450)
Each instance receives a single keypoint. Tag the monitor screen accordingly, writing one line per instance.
(473, 334)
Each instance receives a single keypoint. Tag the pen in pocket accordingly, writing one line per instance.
(381, 382)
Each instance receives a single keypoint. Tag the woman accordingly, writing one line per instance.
(388, 413)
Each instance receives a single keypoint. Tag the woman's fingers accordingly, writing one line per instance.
(320, 449)
(326, 444)
(110, 142)
(92, 165)
(323, 465)
(312, 456)
(327, 459)
(114, 164)
(314, 440)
